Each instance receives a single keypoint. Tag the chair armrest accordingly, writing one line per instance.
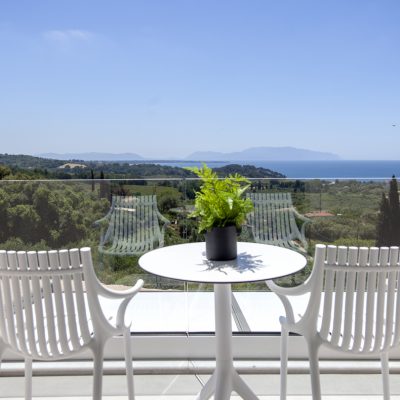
(101, 221)
(164, 220)
(126, 297)
(283, 292)
(103, 224)
(129, 294)
(301, 216)
(116, 294)
(107, 217)
(303, 227)
(289, 291)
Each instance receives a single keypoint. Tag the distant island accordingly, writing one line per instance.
(251, 154)
(265, 154)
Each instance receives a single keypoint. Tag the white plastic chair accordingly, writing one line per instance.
(273, 221)
(354, 307)
(132, 226)
(45, 313)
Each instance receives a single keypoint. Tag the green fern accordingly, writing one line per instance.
(220, 202)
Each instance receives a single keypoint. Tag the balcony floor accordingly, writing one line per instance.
(182, 387)
(167, 379)
(173, 380)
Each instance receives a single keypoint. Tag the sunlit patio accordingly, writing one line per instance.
(173, 321)
(176, 365)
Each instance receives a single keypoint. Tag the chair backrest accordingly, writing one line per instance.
(133, 225)
(360, 309)
(273, 219)
(42, 303)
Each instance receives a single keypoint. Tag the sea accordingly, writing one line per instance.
(340, 169)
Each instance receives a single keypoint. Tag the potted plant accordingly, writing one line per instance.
(221, 209)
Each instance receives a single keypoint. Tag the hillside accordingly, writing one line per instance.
(248, 171)
(57, 169)
(28, 162)
(252, 154)
(93, 156)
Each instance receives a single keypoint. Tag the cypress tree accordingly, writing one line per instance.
(92, 178)
(104, 187)
(388, 226)
(383, 226)
(394, 212)
(393, 194)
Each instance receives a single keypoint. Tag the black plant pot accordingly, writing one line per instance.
(221, 243)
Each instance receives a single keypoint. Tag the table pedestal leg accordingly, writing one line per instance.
(224, 379)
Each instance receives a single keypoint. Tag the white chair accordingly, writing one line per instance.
(45, 313)
(273, 221)
(354, 307)
(132, 226)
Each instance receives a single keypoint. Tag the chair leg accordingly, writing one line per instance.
(2, 349)
(28, 379)
(385, 375)
(128, 362)
(313, 349)
(98, 352)
(284, 361)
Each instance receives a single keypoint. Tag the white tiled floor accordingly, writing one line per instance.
(194, 311)
(182, 387)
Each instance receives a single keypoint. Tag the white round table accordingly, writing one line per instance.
(255, 262)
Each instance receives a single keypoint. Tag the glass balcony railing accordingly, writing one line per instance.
(122, 219)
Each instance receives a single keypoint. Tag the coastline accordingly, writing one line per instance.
(318, 169)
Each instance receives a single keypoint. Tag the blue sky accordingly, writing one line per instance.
(166, 78)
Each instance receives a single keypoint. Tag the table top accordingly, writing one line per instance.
(255, 262)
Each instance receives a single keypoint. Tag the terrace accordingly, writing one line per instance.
(173, 322)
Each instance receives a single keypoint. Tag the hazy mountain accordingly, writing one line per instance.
(264, 154)
(93, 156)
(252, 154)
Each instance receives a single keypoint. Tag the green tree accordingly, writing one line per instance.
(4, 206)
(388, 225)
(92, 178)
(168, 200)
(104, 187)
(4, 171)
(382, 229)
(394, 211)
